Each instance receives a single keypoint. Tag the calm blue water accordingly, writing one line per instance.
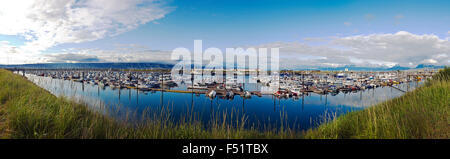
(302, 113)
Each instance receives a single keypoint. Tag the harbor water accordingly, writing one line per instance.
(301, 113)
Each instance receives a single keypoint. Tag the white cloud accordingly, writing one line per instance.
(46, 23)
(133, 53)
(441, 56)
(429, 61)
(10, 54)
(72, 58)
(375, 50)
(295, 54)
(401, 47)
(387, 50)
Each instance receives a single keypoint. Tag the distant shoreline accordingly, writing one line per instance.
(151, 66)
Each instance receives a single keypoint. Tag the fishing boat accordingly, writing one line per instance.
(211, 94)
(247, 94)
(229, 94)
(296, 92)
(101, 85)
(198, 86)
(114, 86)
(281, 93)
(153, 84)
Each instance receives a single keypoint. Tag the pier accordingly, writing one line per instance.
(397, 89)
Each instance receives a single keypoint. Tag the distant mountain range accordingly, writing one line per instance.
(428, 66)
(169, 66)
(92, 66)
(358, 68)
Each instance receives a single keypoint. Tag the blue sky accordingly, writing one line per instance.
(235, 23)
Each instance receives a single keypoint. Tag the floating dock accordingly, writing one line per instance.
(179, 91)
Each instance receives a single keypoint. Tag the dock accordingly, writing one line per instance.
(179, 91)
(287, 84)
(398, 89)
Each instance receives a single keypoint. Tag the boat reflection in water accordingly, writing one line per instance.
(266, 109)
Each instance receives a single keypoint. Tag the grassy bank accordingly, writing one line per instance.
(28, 111)
(422, 113)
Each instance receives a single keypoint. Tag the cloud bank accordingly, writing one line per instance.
(46, 23)
(375, 50)
(123, 54)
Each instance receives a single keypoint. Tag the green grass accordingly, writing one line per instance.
(28, 111)
(420, 114)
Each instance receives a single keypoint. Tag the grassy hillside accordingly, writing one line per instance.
(422, 113)
(28, 111)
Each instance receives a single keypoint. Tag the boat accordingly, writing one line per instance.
(296, 92)
(101, 85)
(229, 94)
(115, 86)
(212, 94)
(131, 86)
(153, 84)
(281, 93)
(143, 87)
(198, 86)
(247, 94)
